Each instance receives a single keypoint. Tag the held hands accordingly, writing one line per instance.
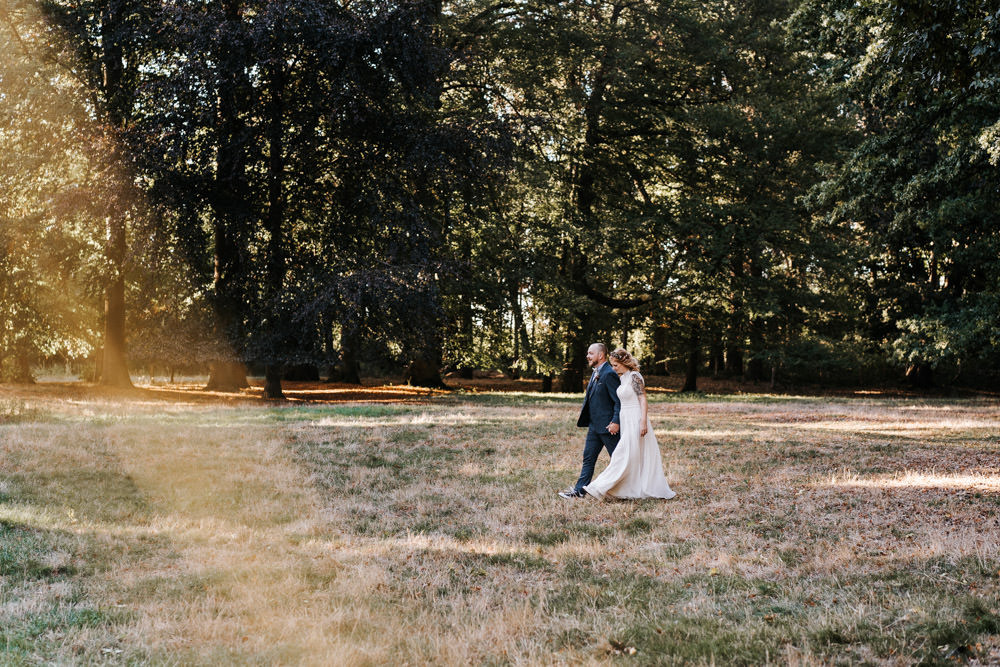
(613, 428)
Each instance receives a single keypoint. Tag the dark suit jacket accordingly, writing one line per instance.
(600, 404)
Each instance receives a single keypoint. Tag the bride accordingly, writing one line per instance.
(636, 469)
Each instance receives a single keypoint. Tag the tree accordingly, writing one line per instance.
(919, 80)
(596, 87)
(53, 189)
(110, 41)
(316, 145)
(755, 259)
(667, 147)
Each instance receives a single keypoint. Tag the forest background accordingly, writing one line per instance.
(781, 191)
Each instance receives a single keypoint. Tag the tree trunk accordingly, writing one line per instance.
(272, 381)
(734, 337)
(718, 357)
(228, 376)
(756, 366)
(466, 334)
(424, 373)
(274, 221)
(22, 369)
(427, 356)
(275, 178)
(575, 361)
(920, 375)
(513, 370)
(348, 369)
(326, 327)
(659, 351)
(114, 367)
(523, 343)
(693, 363)
(229, 202)
(734, 355)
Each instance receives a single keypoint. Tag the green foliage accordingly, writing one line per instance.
(348, 172)
(806, 186)
(919, 186)
(951, 337)
(664, 150)
(825, 361)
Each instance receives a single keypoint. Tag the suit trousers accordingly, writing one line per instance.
(591, 450)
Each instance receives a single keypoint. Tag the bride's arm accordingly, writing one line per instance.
(639, 386)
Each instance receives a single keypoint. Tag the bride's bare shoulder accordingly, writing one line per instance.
(638, 383)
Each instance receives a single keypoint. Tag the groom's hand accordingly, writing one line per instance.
(612, 428)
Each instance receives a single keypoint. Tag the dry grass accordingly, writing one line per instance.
(806, 531)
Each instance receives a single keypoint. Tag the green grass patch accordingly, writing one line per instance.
(27, 554)
(547, 538)
(85, 494)
(638, 526)
(518, 560)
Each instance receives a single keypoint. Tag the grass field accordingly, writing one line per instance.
(805, 531)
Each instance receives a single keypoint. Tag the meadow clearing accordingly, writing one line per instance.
(136, 529)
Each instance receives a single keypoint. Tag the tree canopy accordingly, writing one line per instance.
(778, 190)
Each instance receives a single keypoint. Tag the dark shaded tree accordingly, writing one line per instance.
(919, 190)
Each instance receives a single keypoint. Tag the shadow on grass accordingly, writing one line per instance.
(63, 533)
(42, 598)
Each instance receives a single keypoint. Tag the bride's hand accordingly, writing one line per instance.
(642, 431)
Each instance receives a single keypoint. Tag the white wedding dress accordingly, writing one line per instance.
(636, 468)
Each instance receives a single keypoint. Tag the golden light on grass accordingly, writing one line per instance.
(921, 480)
(297, 392)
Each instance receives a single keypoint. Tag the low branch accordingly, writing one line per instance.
(478, 24)
(584, 288)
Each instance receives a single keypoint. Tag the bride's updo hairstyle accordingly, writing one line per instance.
(622, 356)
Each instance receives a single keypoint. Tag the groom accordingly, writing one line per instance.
(600, 413)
